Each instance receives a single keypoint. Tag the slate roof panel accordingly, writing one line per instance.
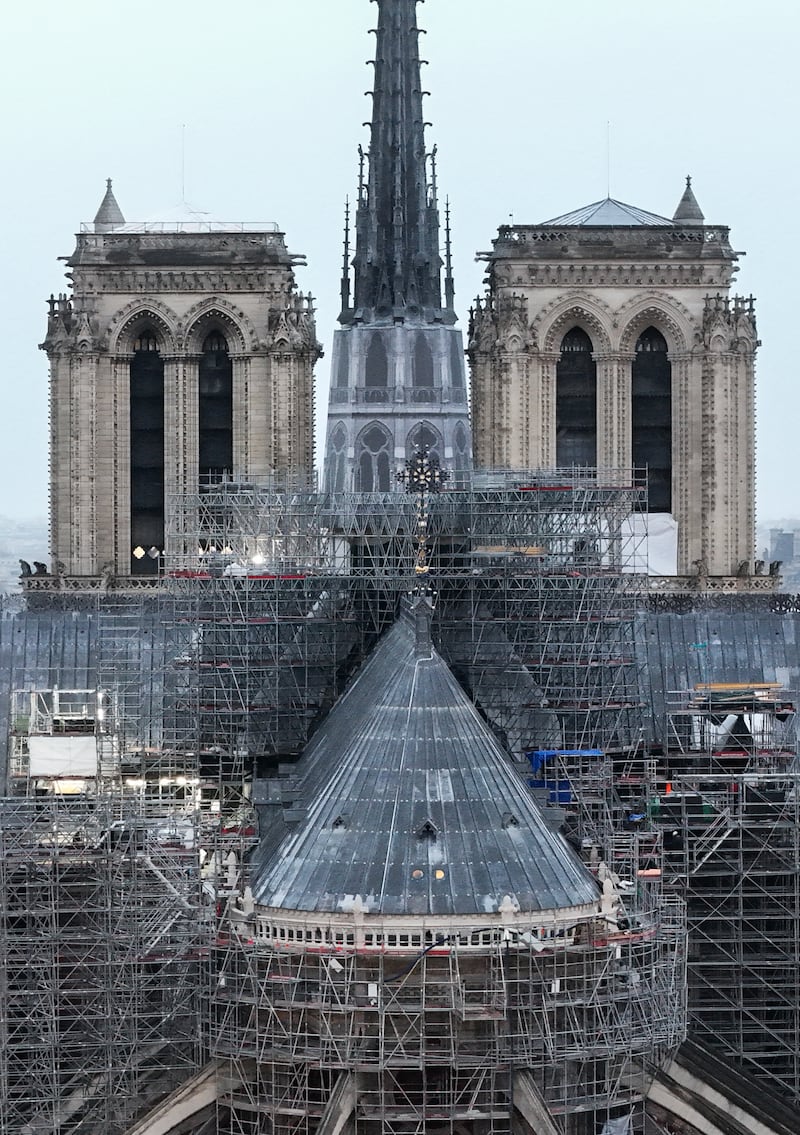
(405, 749)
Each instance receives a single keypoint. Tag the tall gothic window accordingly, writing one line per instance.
(456, 362)
(147, 454)
(373, 457)
(337, 458)
(343, 360)
(376, 377)
(215, 411)
(651, 416)
(576, 401)
(461, 445)
(423, 369)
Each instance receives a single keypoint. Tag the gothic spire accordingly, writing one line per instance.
(397, 262)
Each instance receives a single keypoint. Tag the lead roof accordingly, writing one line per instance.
(408, 805)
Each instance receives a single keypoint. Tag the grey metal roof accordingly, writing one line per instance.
(609, 214)
(412, 807)
(678, 650)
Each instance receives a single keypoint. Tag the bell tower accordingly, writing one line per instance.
(182, 357)
(610, 338)
(397, 378)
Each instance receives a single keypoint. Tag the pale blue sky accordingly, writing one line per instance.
(271, 94)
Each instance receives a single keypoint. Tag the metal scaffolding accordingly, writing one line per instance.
(726, 793)
(417, 1026)
(285, 591)
(273, 597)
(100, 953)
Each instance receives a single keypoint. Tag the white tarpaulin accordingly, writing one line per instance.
(658, 553)
(63, 756)
(617, 1126)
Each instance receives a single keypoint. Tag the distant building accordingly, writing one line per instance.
(184, 354)
(784, 555)
(609, 338)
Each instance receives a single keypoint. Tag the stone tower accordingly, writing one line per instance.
(397, 380)
(183, 357)
(609, 337)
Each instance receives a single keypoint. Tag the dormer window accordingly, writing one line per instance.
(427, 830)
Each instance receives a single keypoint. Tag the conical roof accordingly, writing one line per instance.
(411, 807)
(688, 211)
(608, 213)
(109, 215)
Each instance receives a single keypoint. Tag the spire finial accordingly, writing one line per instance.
(688, 211)
(109, 215)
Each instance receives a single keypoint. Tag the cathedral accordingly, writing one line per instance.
(400, 803)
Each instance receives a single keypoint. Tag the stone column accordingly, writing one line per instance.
(543, 450)
(120, 490)
(181, 387)
(716, 495)
(687, 464)
(279, 361)
(500, 414)
(745, 449)
(243, 416)
(60, 473)
(516, 408)
(614, 437)
(82, 464)
(252, 383)
(304, 402)
(481, 377)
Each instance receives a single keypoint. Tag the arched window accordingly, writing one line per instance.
(423, 381)
(576, 401)
(373, 457)
(376, 377)
(215, 411)
(651, 417)
(425, 439)
(336, 459)
(146, 454)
